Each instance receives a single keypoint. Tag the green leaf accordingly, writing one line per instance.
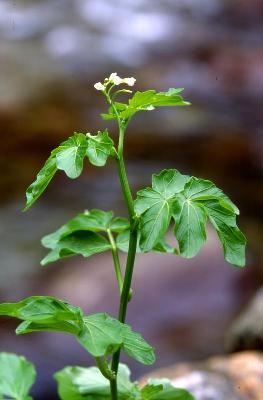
(169, 392)
(111, 114)
(79, 235)
(76, 383)
(200, 200)
(17, 376)
(44, 313)
(190, 202)
(232, 239)
(150, 99)
(136, 347)
(100, 147)
(154, 206)
(93, 220)
(70, 155)
(83, 243)
(43, 178)
(101, 335)
(122, 242)
(190, 217)
(149, 391)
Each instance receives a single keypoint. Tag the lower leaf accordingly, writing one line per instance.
(17, 376)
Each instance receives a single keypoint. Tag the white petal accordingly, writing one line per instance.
(99, 86)
(129, 81)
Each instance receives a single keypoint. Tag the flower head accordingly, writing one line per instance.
(114, 80)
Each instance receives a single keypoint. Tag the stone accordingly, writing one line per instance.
(246, 332)
(227, 377)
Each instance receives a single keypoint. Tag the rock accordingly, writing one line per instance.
(234, 377)
(246, 332)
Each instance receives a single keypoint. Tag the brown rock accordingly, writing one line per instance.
(234, 377)
(246, 332)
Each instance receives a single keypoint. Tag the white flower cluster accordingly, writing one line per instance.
(115, 80)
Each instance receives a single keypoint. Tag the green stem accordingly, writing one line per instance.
(126, 289)
(116, 260)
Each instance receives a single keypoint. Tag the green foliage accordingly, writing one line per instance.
(100, 334)
(154, 204)
(100, 147)
(17, 376)
(80, 235)
(43, 179)
(69, 157)
(76, 383)
(146, 101)
(84, 243)
(189, 201)
(169, 392)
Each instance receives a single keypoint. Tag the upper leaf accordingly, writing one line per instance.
(67, 157)
(43, 178)
(99, 148)
(150, 99)
(17, 376)
(70, 155)
(154, 204)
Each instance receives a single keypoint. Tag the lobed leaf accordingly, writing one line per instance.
(68, 156)
(85, 243)
(190, 202)
(200, 200)
(43, 179)
(150, 99)
(122, 242)
(99, 334)
(136, 347)
(169, 392)
(76, 383)
(154, 204)
(79, 235)
(17, 375)
(99, 148)
(44, 313)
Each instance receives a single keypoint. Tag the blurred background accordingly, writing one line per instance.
(51, 54)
